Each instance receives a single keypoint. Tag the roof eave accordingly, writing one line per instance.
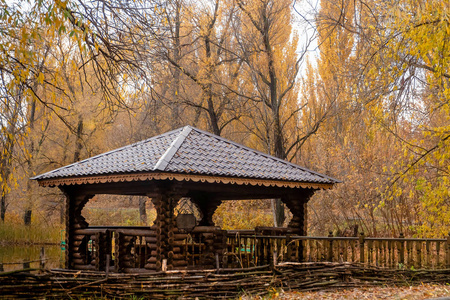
(147, 176)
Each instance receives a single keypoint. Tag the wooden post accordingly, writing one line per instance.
(98, 250)
(217, 263)
(164, 265)
(42, 259)
(377, 249)
(330, 247)
(428, 255)
(303, 244)
(118, 258)
(447, 251)
(26, 263)
(410, 253)
(361, 247)
(275, 254)
(288, 247)
(401, 249)
(390, 254)
(438, 255)
(419, 253)
(108, 258)
(353, 244)
(369, 251)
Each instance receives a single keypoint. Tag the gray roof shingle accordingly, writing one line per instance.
(191, 151)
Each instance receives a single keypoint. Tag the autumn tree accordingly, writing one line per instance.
(385, 61)
(268, 48)
(36, 88)
(417, 38)
(21, 71)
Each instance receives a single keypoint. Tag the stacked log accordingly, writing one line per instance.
(179, 246)
(165, 230)
(168, 207)
(96, 250)
(81, 257)
(150, 241)
(76, 254)
(160, 244)
(220, 243)
(124, 259)
(298, 208)
(207, 259)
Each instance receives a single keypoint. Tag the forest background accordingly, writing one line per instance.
(357, 90)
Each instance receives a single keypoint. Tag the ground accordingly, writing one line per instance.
(424, 291)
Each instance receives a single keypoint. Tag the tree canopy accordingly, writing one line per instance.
(364, 99)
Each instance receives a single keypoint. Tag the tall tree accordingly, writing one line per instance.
(269, 51)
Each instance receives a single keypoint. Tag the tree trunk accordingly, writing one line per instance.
(3, 208)
(30, 160)
(142, 209)
(62, 208)
(213, 117)
(79, 139)
(278, 213)
(175, 105)
(27, 217)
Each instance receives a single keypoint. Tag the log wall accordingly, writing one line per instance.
(77, 256)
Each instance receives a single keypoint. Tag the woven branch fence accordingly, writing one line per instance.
(207, 284)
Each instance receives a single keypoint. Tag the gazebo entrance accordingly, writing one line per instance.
(190, 163)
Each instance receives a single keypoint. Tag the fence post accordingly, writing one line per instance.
(447, 251)
(330, 247)
(164, 265)
(42, 259)
(288, 247)
(26, 263)
(361, 247)
(401, 249)
(275, 258)
(108, 258)
(217, 263)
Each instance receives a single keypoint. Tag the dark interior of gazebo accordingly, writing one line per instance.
(186, 163)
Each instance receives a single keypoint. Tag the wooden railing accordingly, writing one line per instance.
(382, 252)
(133, 249)
(113, 248)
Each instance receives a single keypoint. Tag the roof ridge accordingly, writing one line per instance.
(107, 153)
(265, 154)
(165, 159)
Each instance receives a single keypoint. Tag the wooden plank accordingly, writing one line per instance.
(447, 251)
(401, 249)
(419, 254)
(438, 254)
(361, 248)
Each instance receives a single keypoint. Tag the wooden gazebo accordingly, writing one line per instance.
(184, 163)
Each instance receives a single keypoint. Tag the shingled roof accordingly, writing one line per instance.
(188, 151)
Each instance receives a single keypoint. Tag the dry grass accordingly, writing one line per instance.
(14, 232)
(418, 292)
